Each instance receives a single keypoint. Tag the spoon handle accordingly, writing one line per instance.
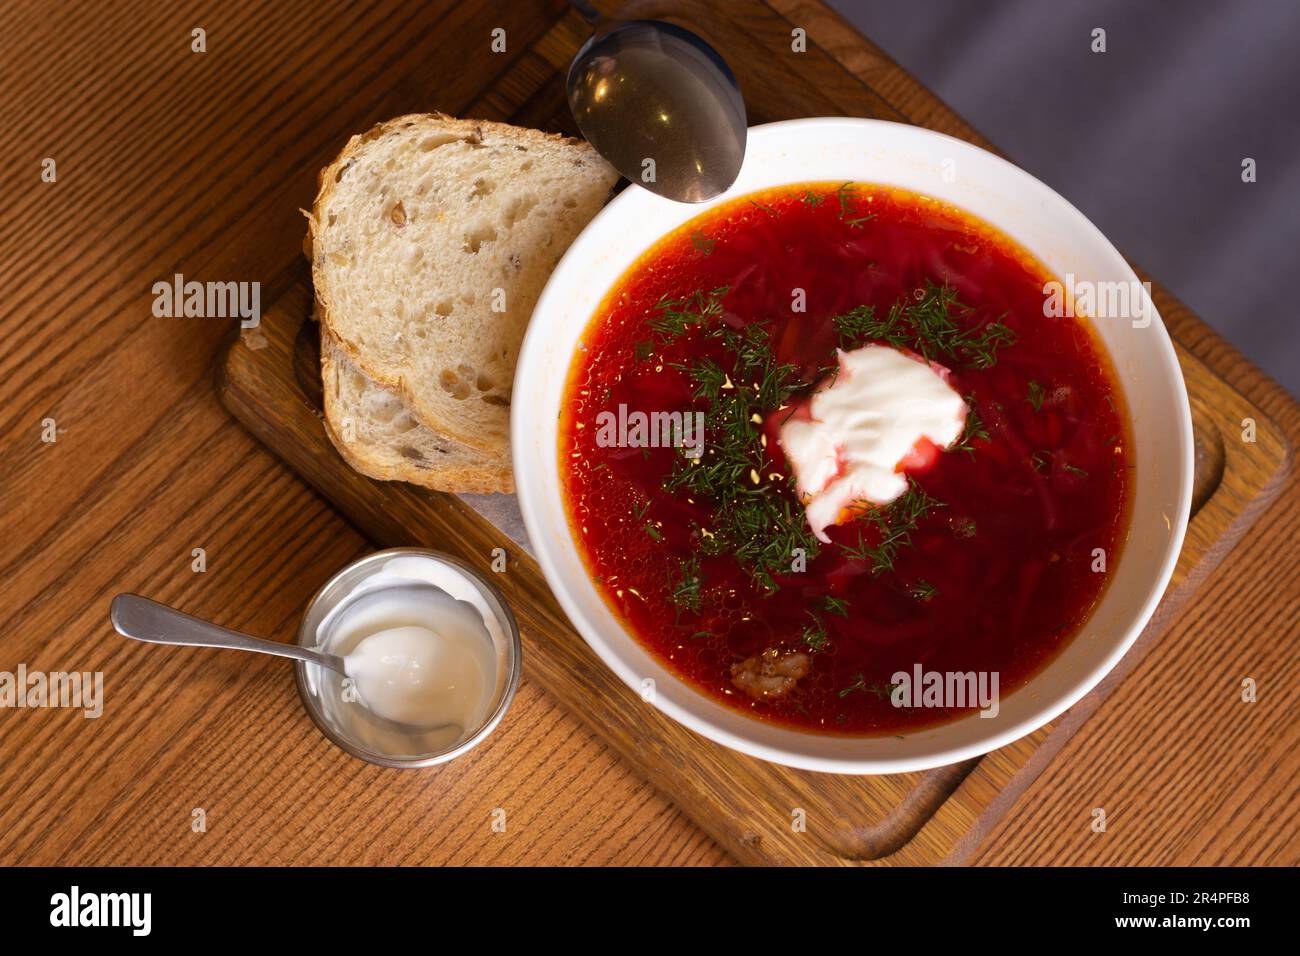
(587, 11)
(144, 620)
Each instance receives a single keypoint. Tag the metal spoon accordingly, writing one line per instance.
(659, 104)
(143, 620)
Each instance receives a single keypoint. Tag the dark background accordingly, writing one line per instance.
(1147, 139)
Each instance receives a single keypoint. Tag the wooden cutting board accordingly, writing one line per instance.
(270, 381)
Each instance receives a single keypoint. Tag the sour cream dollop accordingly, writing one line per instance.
(420, 644)
(847, 442)
(423, 676)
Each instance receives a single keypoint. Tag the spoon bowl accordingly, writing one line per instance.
(661, 106)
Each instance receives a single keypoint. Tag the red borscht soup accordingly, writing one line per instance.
(781, 346)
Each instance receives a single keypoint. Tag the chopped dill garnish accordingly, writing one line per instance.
(860, 324)
(812, 200)
(708, 376)
(1036, 395)
(859, 683)
(814, 635)
(894, 525)
(926, 325)
(685, 594)
(761, 531)
(973, 431)
(1076, 471)
(834, 605)
(675, 316)
(1040, 460)
(981, 351)
(847, 195)
(774, 213)
(883, 691)
(755, 518)
(702, 244)
(654, 532)
(922, 590)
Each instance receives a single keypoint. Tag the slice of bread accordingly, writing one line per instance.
(431, 239)
(378, 436)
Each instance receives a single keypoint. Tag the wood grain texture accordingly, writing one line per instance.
(1188, 774)
(914, 818)
(270, 380)
(174, 161)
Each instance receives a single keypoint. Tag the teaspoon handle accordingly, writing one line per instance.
(144, 620)
(587, 11)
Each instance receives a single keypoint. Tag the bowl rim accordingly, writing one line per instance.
(544, 539)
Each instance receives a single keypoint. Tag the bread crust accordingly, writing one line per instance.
(481, 474)
(328, 180)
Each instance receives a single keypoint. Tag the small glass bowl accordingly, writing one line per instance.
(369, 737)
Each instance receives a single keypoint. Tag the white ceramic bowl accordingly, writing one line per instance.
(995, 191)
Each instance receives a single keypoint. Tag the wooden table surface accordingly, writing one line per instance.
(168, 160)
